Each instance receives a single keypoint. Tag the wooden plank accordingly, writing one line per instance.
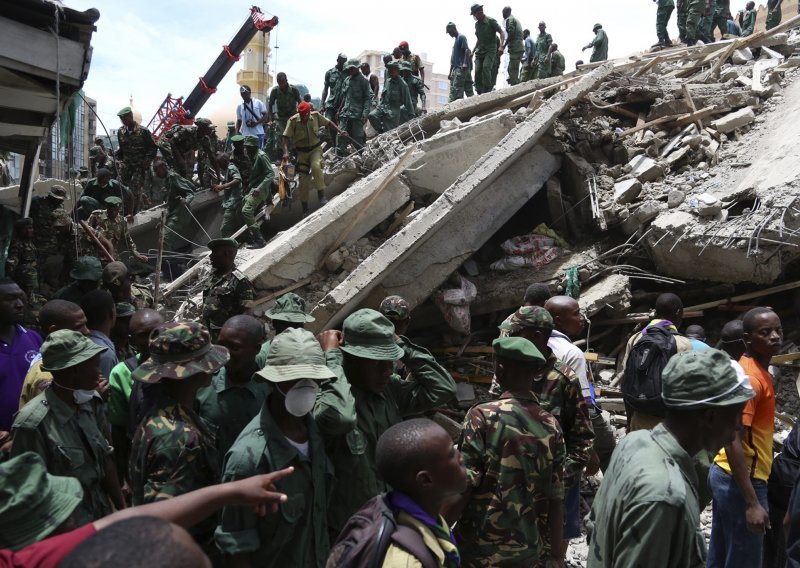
(714, 72)
(299, 284)
(649, 65)
(688, 96)
(696, 117)
(785, 358)
(34, 51)
(746, 297)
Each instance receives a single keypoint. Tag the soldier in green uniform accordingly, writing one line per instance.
(234, 398)
(51, 243)
(557, 63)
(302, 130)
(173, 450)
(559, 392)
(114, 227)
(180, 193)
(207, 171)
(178, 146)
(308, 401)
(395, 102)
(288, 312)
(367, 354)
(682, 7)
(694, 11)
(86, 277)
(356, 101)
(227, 292)
(513, 44)
(514, 454)
(226, 146)
(231, 185)
(543, 43)
(284, 98)
(137, 149)
(774, 13)
(647, 511)
(117, 281)
(240, 159)
(66, 426)
(415, 89)
(663, 14)
(257, 190)
(486, 48)
(598, 45)
(21, 261)
(97, 189)
(334, 77)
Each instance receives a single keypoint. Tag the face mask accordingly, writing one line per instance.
(301, 397)
(80, 396)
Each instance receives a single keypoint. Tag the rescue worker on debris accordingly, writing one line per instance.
(258, 189)
(136, 151)
(514, 44)
(227, 292)
(288, 312)
(114, 227)
(231, 185)
(207, 171)
(415, 89)
(487, 48)
(284, 98)
(599, 44)
(356, 102)
(180, 193)
(395, 105)
(334, 78)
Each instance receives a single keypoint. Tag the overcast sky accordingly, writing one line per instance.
(149, 48)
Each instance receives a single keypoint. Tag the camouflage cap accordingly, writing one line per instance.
(527, 316)
(58, 192)
(113, 200)
(179, 350)
(252, 141)
(517, 349)
(238, 138)
(33, 503)
(703, 379)
(475, 7)
(295, 354)
(125, 310)
(66, 348)
(114, 272)
(370, 335)
(203, 121)
(87, 268)
(395, 307)
(124, 111)
(289, 307)
(223, 242)
(231, 124)
(352, 64)
(95, 151)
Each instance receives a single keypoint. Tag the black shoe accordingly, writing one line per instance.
(306, 212)
(256, 240)
(321, 196)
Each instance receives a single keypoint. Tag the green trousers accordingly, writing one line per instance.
(484, 63)
(663, 14)
(543, 67)
(774, 17)
(178, 221)
(250, 206)
(514, 59)
(232, 220)
(694, 12)
(469, 84)
(355, 128)
(682, 7)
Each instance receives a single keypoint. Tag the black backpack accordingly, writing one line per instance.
(366, 538)
(641, 383)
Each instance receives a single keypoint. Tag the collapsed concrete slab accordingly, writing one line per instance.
(463, 193)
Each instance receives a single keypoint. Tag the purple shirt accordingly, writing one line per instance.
(15, 359)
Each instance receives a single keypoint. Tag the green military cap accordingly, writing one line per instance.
(24, 222)
(123, 112)
(113, 200)
(95, 151)
(393, 65)
(395, 306)
(251, 141)
(352, 64)
(33, 503)
(527, 316)
(58, 192)
(517, 349)
(474, 8)
(405, 66)
(203, 121)
(223, 242)
(66, 348)
(83, 170)
(238, 138)
(114, 272)
(703, 379)
(370, 335)
(295, 354)
(597, 26)
(125, 310)
(87, 268)
(179, 350)
(231, 124)
(289, 307)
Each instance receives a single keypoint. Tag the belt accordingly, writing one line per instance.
(308, 148)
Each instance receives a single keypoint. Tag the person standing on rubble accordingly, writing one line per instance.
(415, 89)
(682, 7)
(647, 511)
(458, 62)
(334, 78)
(528, 57)
(514, 44)
(599, 44)
(395, 105)
(417, 68)
(258, 189)
(663, 14)
(136, 151)
(180, 193)
(356, 102)
(486, 48)
(250, 115)
(227, 292)
(558, 64)
(543, 42)
(374, 83)
(231, 185)
(694, 12)
(738, 478)
(284, 98)
(774, 13)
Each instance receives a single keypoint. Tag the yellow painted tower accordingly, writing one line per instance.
(255, 67)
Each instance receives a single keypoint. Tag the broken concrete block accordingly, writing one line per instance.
(693, 141)
(626, 191)
(734, 120)
(680, 155)
(675, 198)
(334, 261)
(706, 205)
(771, 53)
(728, 73)
(645, 169)
(742, 56)
(645, 212)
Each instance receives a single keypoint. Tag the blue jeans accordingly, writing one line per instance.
(260, 140)
(572, 511)
(732, 545)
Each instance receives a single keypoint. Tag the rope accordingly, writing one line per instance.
(182, 237)
(198, 222)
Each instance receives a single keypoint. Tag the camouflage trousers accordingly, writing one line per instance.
(514, 59)
(469, 84)
(484, 63)
(134, 178)
(458, 76)
(527, 73)
(694, 12)
(383, 118)
(663, 14)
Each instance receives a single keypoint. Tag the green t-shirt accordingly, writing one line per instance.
(120, 383)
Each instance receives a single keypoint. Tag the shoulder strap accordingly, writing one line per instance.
(410, 540)
(132, 363)
(32, 413)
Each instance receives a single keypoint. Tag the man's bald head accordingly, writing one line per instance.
(669, 307)
(143, 322)
(146, 318)
(566, 312)
(247, 325)
(731, 338)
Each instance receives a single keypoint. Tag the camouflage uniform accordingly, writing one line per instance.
(206, 154)
(178, 218)
(417, 92)
(136, 150)
(178, 146)
(94, 197)
(259, 187)
(141, 297)
(231, 203)
(115, 230)
(52, 228)
(230, 407)
(224, 297)
(389, 114)
(543, 61)
(514, 454)
(22, 266)
(70, 441)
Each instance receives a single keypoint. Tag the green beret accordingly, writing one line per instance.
(113, 200)
(237, 138)
(123, 112)
(252, 141)
(224, 242)
(703, 379)
(517, 349)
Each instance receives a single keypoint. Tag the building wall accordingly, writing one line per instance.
(55, 161)
(255, 67)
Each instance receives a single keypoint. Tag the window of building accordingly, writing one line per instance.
(444, 85)
(442, 100)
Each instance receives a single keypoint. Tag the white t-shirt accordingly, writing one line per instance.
(259, 109)
(564, 349)
(302, 448)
